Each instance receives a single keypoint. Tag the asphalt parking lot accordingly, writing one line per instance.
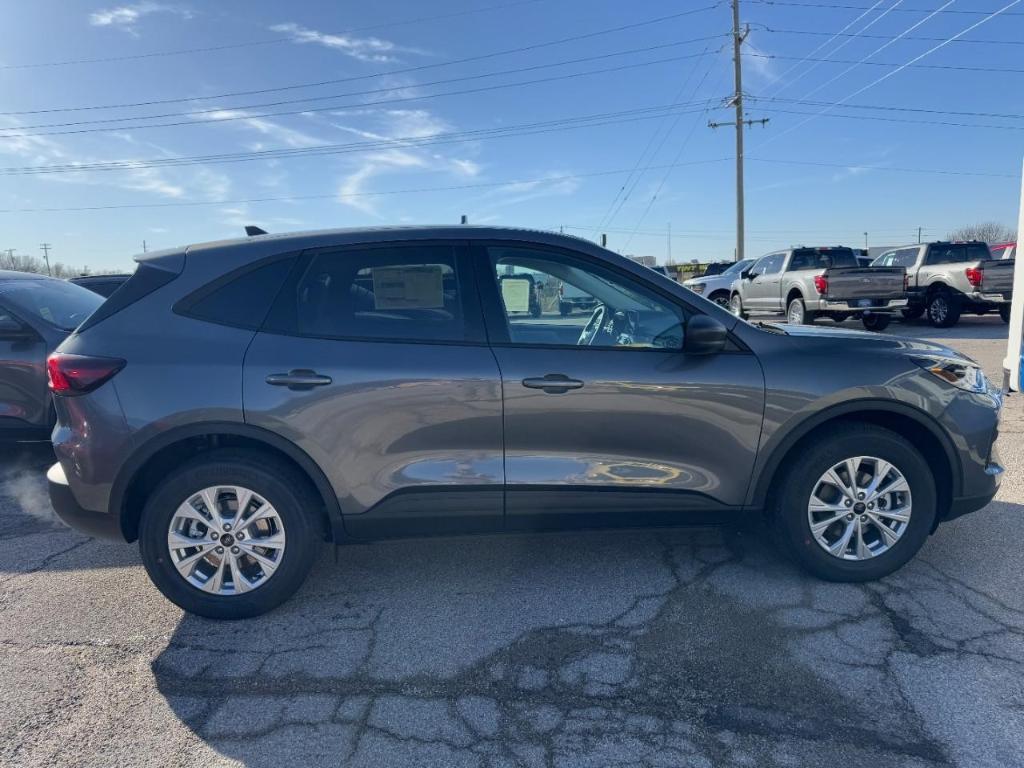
(669, 648)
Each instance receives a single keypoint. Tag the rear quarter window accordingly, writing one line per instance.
(241, 298)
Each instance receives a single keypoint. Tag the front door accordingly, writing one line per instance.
(607, 420)
(373, 360)
(24, 397)
(765, 288)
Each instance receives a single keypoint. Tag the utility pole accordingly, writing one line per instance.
(604, 240)
(144, 246)
(669, 242)
(738, 36)
(919, 235)
(45, 248)
(865, 241)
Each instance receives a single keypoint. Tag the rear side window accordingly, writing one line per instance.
(402, 293)
(957, 253)
(241, 299)
(146, 279)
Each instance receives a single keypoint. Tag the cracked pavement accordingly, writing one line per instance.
(690, 647)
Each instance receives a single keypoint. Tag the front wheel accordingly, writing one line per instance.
(875, 322)
(1004, 312)
(736, 306)
(229, 535)
(856, 504)
(721, 298)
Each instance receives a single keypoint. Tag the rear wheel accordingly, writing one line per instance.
(875, 322)
(229, 535)
(736, 306)
(912, 313)
(943, 309)
(856, 505)
(1004, 312)
(797, 313)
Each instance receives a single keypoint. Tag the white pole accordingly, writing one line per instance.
(1014, 346)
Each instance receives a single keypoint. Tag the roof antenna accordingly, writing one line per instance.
(252, 231)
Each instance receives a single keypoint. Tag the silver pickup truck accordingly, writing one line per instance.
(946, 280)
(806, 283)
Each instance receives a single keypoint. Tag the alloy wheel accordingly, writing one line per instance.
(796, 313)
(938, 309)
(859, 508)
(226, 540)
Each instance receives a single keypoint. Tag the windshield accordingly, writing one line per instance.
(738, 267)
(63, 305)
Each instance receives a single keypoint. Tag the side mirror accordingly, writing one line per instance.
(12, 330)
(746, 274)
(704, 336)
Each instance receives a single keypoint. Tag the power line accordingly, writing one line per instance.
(485, 185)
(953, 67)
(269, 41)
(893, 108)
(841, 7)
(523, 129)
(896, 119)
(308, 99)
(363, 104)
(920, 38)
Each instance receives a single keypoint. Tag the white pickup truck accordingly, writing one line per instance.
(806, 283)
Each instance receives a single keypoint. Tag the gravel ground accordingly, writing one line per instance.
(680, 648)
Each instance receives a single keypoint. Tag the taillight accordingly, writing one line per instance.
(71, 375)
(973, 276)
(821, 284)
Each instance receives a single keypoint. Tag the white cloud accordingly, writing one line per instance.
(127, 16)
(361, 48)
(287, 136)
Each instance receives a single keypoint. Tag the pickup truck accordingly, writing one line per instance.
(946, 280)
(806, 283)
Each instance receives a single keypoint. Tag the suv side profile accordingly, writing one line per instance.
(358, 385)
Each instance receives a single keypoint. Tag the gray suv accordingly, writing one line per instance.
(235, 403)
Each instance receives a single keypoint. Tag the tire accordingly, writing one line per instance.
(721, 298)
(797, 313)
(790, 513)
(875, 322)
(840, 317)
(736, 306)
(564, 309)
(1004, 312)
(912, 313)
(288, 493)
(943, 309)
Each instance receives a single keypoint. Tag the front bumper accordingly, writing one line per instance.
(98, 524)
(853, 305)
(967, 504)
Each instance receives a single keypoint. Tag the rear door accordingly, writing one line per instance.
(373, 360)
(24, 396)
(607, 420)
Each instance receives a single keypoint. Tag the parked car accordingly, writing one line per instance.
(104, 285)
(1003, 250)
(807, 283)
(330, 386)
(946, 280)
(718, 287)
(716, 268)
(36, 314)
(572, 299)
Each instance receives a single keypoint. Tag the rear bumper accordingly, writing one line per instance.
(98, 524)
(990, 298)
(844, 305)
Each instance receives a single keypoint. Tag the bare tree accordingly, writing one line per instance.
(987, 231)
(19, 262)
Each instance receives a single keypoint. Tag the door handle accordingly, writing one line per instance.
(553, 383)
(299, 378)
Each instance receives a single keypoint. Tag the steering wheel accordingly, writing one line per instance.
(593, 327)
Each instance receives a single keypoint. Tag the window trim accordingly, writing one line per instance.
(473, 323)
(496, 320)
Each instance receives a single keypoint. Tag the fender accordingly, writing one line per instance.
(782, 445)
(145, 452)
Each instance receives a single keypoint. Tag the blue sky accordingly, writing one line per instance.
(813, 177)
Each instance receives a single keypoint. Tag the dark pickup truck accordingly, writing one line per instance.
(947, 279)
(807, 283)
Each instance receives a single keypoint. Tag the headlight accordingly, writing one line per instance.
(959, 373)
(697, 287)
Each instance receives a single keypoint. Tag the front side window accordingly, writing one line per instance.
(403, 293)
(551, 299)
(771, 264)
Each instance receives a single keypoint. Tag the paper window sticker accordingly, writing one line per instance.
(408, 287)
(515, 292)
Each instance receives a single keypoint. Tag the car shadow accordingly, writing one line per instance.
(676, 647)
(970, 327)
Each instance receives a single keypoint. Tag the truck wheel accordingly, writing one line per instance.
(943, 309)
(721, 298)
(229, 535)
(1004, 312)
(855, 504)
(912, 313)
(736, 306)
(797, 313)
(876, 322)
